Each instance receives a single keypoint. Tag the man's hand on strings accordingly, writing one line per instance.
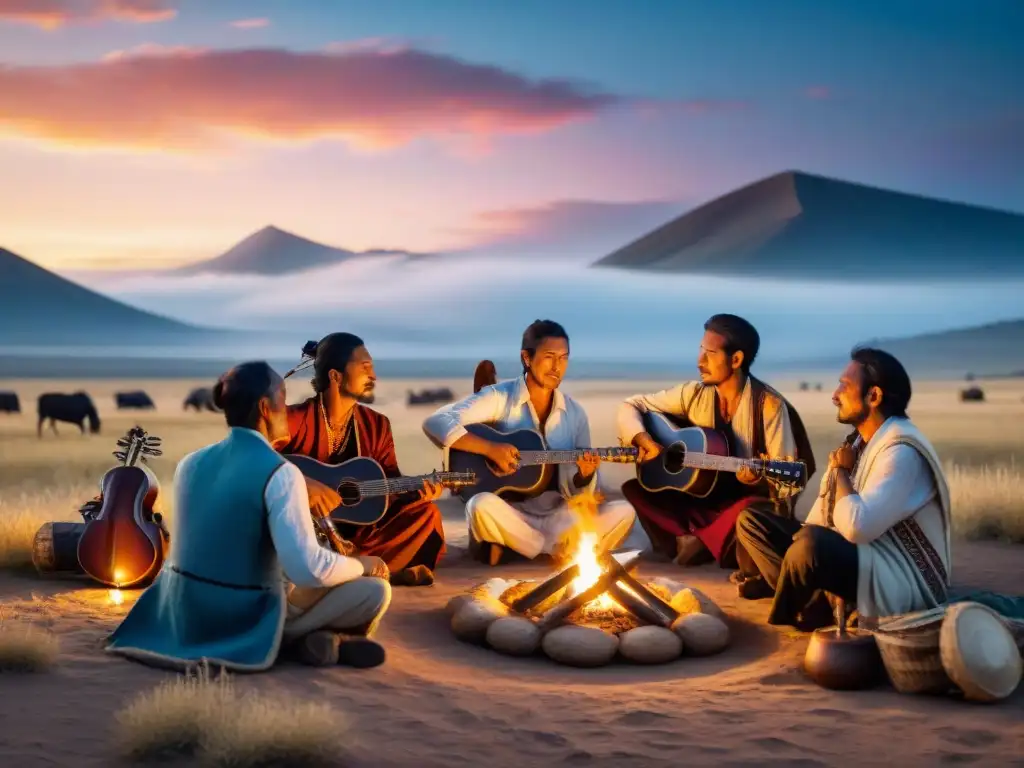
(431, 491)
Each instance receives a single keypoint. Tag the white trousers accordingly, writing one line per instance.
(356, 606)
(534, 526)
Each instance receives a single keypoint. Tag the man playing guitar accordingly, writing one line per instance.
(544, 523)
(334, 426)
(755, 419)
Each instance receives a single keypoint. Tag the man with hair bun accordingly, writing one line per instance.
(242, 526)
(757, 421)
(335, 425)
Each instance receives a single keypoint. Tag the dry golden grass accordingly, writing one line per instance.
(25, 648)
(41, 480)
(206, 718)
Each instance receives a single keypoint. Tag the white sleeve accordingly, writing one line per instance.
(629, 419)
(447, 424)
(305, 562)
(899, 479)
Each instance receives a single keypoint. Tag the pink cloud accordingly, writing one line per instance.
(569, 226)
(818, 92)
(51, 14)
(258, 23)
(182, 101)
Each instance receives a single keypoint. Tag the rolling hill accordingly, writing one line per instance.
(796, 225)
(273, 251)
(39, 308)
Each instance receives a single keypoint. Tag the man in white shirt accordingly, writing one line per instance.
(878, 534)
(547, 523)
(245, 572)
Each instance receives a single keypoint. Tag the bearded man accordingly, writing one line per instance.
(245, 574)
(756, 420)
(878, 536)
(334, 426)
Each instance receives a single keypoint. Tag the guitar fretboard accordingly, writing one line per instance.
(532, 458)
(394, 485)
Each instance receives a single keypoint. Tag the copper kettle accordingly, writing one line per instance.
(843, 659)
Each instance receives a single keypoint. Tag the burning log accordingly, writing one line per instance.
(547, 589)
(637, 606)
(666, 614)
(560, 612)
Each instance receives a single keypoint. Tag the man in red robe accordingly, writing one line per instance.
(756, 420)
(334, 426)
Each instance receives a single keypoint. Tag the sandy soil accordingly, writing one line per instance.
(438, 702)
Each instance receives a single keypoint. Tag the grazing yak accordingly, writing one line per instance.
(9, 402)
(201, 399)
(74, 409)
(137, 399)
(972, 395)
(429, 396)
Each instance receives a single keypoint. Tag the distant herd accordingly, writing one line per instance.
(78, 408)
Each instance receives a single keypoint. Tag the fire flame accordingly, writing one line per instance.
(590, 569)
(585, 505)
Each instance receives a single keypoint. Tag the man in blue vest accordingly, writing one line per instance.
(246, 574)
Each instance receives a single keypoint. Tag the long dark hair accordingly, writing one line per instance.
(884, 371)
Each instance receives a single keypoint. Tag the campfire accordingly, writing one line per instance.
(590, 609)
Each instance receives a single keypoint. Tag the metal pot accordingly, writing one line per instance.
(843, 659)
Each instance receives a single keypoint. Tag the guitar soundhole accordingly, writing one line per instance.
(349, 492)
(674, 456)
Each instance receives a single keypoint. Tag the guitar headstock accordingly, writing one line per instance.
(137, 445)
(789, 473)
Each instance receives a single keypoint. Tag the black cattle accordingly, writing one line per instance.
(430, 396)
(9, 402)
(137, 400)
(201, 399)
(74, 409)
(972, 395)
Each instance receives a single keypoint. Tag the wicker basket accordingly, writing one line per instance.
(909, 646)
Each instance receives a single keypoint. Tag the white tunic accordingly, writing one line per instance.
(899, 477)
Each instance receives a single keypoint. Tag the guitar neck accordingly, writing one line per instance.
(528, 458)
(394, 485)
(718, 463)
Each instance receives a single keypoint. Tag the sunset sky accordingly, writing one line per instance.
(155, 132)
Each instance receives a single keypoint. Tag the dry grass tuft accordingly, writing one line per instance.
(988, 502)
(24, 648)
(207, 718)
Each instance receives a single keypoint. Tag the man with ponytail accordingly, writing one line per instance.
(335, 425)
(246, 574)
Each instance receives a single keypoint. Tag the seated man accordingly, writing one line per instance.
(878, 534)
(241, 515)
(544, 524)
(755, 418)
(334, 426)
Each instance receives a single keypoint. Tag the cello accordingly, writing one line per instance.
(125, 542)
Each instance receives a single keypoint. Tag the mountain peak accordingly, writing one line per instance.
(269, 251)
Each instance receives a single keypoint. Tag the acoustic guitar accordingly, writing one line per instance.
(364, 488)
(536, 462)
(693, 457)
(124, 543)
